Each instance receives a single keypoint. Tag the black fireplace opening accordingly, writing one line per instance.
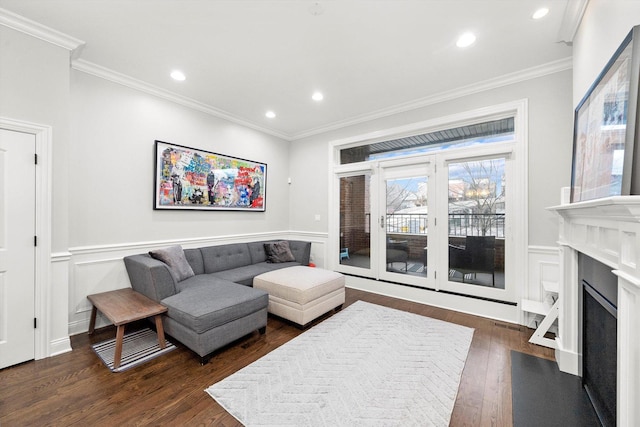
(599, 337)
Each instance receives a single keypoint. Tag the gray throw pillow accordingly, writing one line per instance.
(278, 252)
(174, 257)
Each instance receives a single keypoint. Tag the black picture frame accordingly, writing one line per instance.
(605, 146)
(193, 179)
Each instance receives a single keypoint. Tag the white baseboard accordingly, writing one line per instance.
(568, 361)
(60, 346)
(491, 310)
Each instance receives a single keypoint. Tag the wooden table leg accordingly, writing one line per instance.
(92, 320)
(118, 352)
(160, 331)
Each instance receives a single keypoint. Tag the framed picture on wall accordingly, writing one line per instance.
(189, 178)
(605, 145)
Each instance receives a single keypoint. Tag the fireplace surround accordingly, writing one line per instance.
(607, 230)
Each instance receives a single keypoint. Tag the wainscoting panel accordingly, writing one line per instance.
(319, 246)
(54, 335)
(544, 267)
(100, 268)
(90, 277)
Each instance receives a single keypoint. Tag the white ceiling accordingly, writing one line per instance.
(368, 57)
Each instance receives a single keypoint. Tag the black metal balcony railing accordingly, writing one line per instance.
(460, 224)
(476, 225)
(407, 223)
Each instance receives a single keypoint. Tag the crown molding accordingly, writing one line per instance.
(573, 15)
(494, 83)
(39, 31)
(125, 80)
(571, 20)
(505, 80)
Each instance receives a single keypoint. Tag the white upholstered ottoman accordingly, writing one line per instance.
(300, 293)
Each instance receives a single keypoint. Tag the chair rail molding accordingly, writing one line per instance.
(99, 268)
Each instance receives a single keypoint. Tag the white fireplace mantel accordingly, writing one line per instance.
(607, 230)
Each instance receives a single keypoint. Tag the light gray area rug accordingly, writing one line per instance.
(367, 365)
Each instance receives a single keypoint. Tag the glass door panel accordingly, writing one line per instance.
(404, 223)
(476, 208)
(355, 222)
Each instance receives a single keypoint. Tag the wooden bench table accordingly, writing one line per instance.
(124, 306)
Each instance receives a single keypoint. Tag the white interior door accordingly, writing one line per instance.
(17, 249)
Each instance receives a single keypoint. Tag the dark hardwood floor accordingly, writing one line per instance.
(77, 389)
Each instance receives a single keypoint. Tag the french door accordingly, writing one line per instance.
(439, 221)
(384, 222)
(355, 230)
(477, 242)
(404, 222)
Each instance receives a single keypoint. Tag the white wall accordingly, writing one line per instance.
(112, 178)
(604, 25)
(112, 152)
(102, 174)
(550, 150)
(34, 87)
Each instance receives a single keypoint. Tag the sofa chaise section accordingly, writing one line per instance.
(208, 316)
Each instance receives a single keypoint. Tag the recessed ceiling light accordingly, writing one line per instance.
(466, 39)
(317, 96)
(316, 9)
(270, 114)
(178, 75)
(540, 13)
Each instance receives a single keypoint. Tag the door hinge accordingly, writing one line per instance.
(35, 157)
(35, 240)
(435, 222)
(35, 323)
(435, 275)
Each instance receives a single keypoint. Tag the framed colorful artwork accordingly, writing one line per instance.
(188, 178)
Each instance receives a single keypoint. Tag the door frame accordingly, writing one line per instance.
(43, 140)
(514, 204)
(519, 151)
(419, 165)
(334, 220)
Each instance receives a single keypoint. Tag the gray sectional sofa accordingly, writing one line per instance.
(215, 304)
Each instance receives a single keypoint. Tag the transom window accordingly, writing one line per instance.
(462, 136)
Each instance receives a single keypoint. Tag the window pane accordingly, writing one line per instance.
(406, 227)
(476, 222)
(463, 136)
(355, 236)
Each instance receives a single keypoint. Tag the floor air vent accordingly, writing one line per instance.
(508, 326)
